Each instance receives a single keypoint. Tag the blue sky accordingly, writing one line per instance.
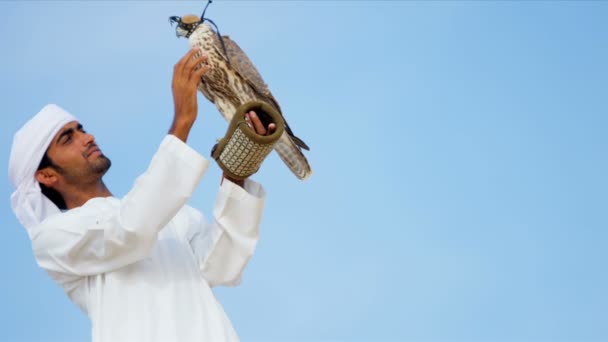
(459, 156)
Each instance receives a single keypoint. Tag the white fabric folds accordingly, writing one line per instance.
(29, 145)
(142, 267)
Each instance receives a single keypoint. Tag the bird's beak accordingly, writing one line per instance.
(174, 19)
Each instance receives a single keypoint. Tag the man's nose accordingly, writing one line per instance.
(88, 138)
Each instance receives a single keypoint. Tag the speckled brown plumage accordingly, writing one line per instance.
(233, 80)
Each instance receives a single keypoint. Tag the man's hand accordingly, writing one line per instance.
(254, 122)
(187, 75)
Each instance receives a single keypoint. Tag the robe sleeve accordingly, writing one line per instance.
(224, 246)
(99, 236)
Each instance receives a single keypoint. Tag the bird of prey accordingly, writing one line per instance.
(233, 80)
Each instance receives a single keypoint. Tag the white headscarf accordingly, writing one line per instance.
(29, 145)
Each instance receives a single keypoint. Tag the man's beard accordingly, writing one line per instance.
(92, 172)
(101, 165)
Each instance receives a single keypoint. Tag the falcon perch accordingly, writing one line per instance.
(233, 80)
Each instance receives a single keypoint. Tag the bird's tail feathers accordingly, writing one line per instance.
(299, 142)
(293, 157)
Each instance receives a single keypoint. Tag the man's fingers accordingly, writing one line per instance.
(271, 128)
(257, 124)
(198, 73)
(193, 65)
(181, 63)
(254, 122)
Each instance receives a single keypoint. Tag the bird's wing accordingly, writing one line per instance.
(244, 67)
(241, 63)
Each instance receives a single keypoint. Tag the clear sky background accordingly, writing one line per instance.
(459, 156)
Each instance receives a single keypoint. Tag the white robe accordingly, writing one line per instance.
(141, 267)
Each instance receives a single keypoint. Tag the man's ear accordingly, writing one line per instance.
(47, 176)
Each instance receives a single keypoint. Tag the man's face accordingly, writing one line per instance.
(77, 156)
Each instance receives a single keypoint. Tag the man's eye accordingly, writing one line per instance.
(67, 139)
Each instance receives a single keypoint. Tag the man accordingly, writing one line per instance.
(140, 267)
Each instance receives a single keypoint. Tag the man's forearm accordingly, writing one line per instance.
(186, 77)
(181, 129)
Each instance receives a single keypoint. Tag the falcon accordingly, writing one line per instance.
(233, 80)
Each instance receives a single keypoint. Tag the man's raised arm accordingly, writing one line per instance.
(96, 237)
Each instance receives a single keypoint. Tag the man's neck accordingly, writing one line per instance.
(79, 195)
